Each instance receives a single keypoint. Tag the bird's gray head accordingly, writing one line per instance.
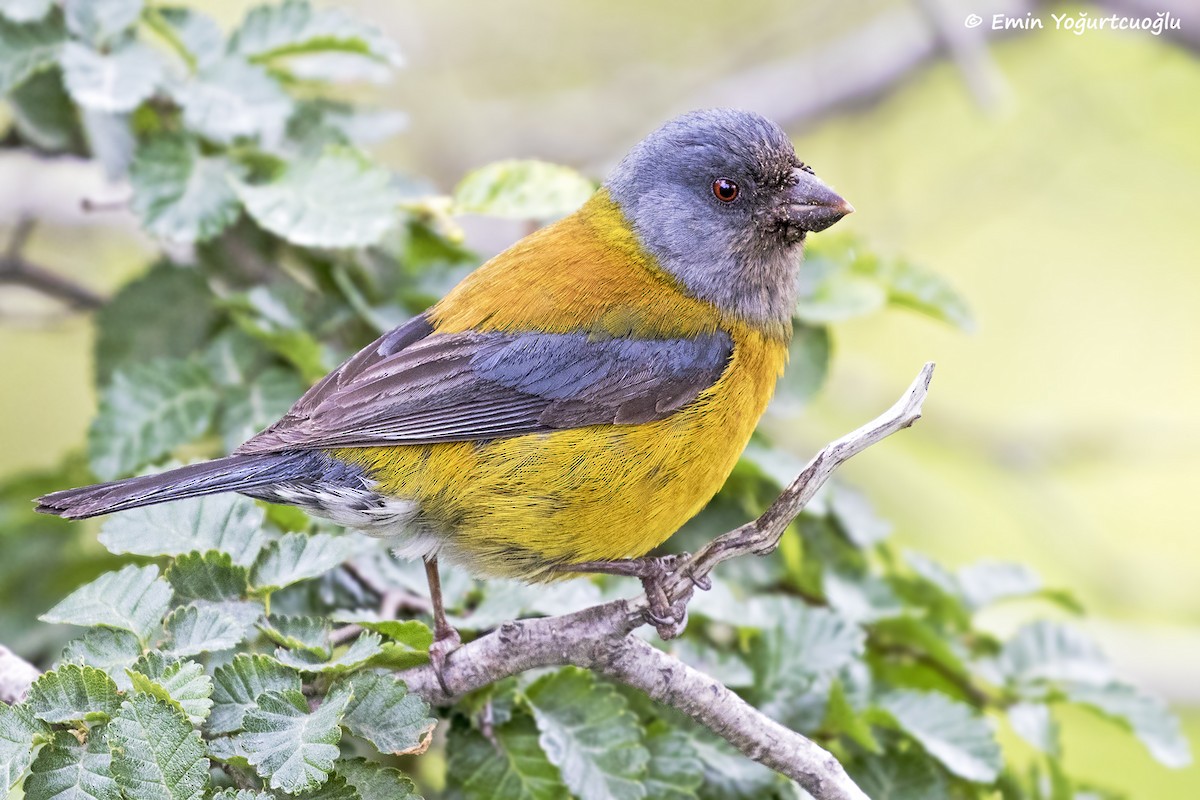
(720, 199)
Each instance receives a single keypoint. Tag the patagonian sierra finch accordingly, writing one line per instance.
(575, 400)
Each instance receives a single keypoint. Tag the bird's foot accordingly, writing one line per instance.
(446, 641)
(667, 614)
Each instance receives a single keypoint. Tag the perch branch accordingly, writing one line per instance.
(599, 639)
(14, 268)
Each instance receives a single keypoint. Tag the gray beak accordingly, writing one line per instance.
(813, 206)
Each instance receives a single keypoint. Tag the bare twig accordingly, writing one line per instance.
(599, 639)
(16, 269)
(16, 676)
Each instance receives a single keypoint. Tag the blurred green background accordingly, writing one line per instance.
(1053, 178)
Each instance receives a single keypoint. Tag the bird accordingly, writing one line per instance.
(574, 400)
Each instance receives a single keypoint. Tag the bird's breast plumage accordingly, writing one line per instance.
(521, 505)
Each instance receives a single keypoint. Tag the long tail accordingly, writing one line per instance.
(230, 474)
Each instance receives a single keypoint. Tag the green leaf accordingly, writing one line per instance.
(861, 597)
(839, 295)
(386, 715)
(841, 717)
(199, 33)
(300, 633)
(522, 190)
(339, 199)
(515, 769)
(18, 728)
(242, 794)
(128, 325)
(231, 100)
(98, 21)
(296, 557)
(729, 775)
(256, 404)
(207, 576)
(1146, 716)
(25, 10)
(926, 292)
(116, 81)
(180, 195)
(949, 731)
(988, 582)
(376, 782)
(182, 684)
(67, 769)
(156, 755)
(295, 28)
(146, 412)
(675, 771)
(225, 522)
(1049, 651)
(808, 644)
(273, 318)
(590, 735)
(724, 664)
(409, 632)
(1033, 723)
(289, 745)
(109, 649)
(856, 516)
(26, 49)
(110, 138)
(360, 651)
(238, 684)
(203, 629)
(43, 113)
(73, 693)
(134, 599)
(335, 788)
(808, 366)
(900, 776)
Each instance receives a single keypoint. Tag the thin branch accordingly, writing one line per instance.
(599, 639)
(16, 269)
(16, 676)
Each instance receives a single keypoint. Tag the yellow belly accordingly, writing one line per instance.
(520, 506)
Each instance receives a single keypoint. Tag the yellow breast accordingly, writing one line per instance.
(521, 505)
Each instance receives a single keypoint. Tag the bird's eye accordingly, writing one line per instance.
(725, 190)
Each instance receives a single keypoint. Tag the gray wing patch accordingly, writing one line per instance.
(416, 387)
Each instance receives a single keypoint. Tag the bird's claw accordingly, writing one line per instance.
(445, 643)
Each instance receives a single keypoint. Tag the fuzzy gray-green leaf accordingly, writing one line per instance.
(73, 693)
(238, 684)
(291, 747)
(133, 599)
(156, 755)
(66, 769)
(225, 522)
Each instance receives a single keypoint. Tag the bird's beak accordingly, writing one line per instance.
(813, 206)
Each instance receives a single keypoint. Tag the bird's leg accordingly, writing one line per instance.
(669, 618)
(445, 639)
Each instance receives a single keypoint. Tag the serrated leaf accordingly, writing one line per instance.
(291, 747)
(522, 190)
(386, 715)
(146, 412)
(374, 781)
(67, 769)
(590, 735)
(300, 633)
(116, 81)
(1033, 723)
(109, 649)
(674, 771)
(861, 598)
(232, 99)
(43, 113)
(792, 661)
(988, 582)
(335, 788)
(133, 599)
(180, 195)
(203, 629)
(225, 522)
(26, 49)
(295, 28)
(1049, 651)
(18, 728)
(238, 684)
(841, 717)
(182, 684)
(339, 199)
(98, 21)
(156, 755)
(242, 794)
(1145, 715)
(510, 599)
(515, 769)
(949, 731)
(73, 693)
(409, 632)
(295, 557)
(199, 33)
(900, 776)
(257, 403)
(25, 10)
(360, 651)
(211, 575)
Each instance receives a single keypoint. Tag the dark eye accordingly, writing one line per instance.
(725, 190)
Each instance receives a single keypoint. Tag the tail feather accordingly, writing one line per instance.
(230, 474)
